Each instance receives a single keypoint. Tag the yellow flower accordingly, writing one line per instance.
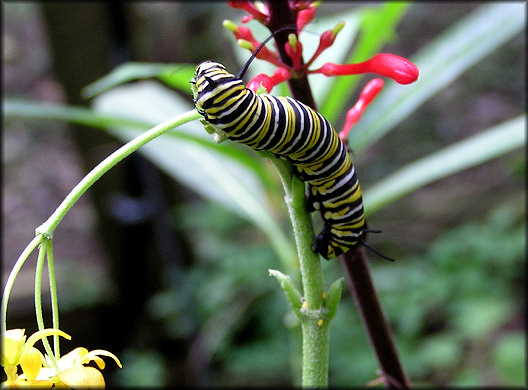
(16, 350)
(72, 372)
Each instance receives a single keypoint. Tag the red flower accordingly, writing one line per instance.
(395, 67)
(365, 98)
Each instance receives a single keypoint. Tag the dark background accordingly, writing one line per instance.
(115, 263)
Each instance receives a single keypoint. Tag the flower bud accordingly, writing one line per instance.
(294, 50)
(267, 82)
(240, 32)
(304, 17)
(250, 9)
(260, 80)
(397, 68)
(326, 40)
(365, 98)
(231, 26)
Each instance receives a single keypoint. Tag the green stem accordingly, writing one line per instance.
(54, 298)
(12, 276)
(45, 231)
(48, 227)
(38, 297)
(316, 340)
(315, 333)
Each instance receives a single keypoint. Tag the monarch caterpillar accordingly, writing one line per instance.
(291, 130)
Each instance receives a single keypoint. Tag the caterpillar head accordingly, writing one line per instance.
(210, 81)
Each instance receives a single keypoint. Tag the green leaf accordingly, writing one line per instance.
(377, 28)
(480, 317)
(216, 175)
(334, 295)
(472, 151)
(292, 294)
(176, 76)
(440, 62)
(509, 357)
(16, 108)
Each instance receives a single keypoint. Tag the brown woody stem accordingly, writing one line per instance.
(358, 276)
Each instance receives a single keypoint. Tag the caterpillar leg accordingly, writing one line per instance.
(327, 247)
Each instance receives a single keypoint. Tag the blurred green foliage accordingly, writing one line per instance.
(450, 308)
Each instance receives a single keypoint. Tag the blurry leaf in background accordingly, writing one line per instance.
(444, 59)
(472, 151)
(377, 28)
(176, 76)
(449, 303)
(509, 357)
(145, 368)
(216, 176)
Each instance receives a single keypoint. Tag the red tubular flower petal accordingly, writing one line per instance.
(264, 54)
(267, 55)
(326, 40)
(243, 32)
(249, 8)
(246, 18)
(365, 98)
(279, 75)
(397, 68)
(303, 4)
(370, 91)
(255, 82)
(304, 17)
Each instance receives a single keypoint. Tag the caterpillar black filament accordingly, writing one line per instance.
(291, 130)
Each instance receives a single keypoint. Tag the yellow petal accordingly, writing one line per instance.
(31, 363)
(73, 357)
(21, 382)
(44, 333)
(42, 384)
(100, 362)
(12, 384)
(80, 376)
(12, 343)
(101, 352)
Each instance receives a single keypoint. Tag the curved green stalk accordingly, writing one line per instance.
(54, 297)
(45, 231)
(48, 227)
(12, 276)
(38, 297)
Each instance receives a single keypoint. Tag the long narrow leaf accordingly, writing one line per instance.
(88, 117)
(175, 75)
(78, 115)
(441, 62)
(472, 151)
(222, 173)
